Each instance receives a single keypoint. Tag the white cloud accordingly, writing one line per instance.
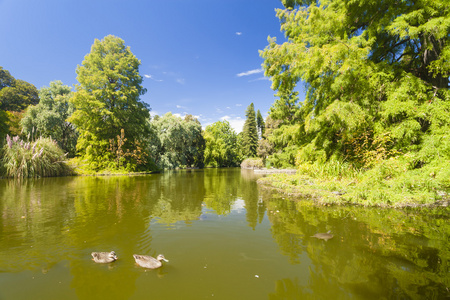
(260, 78)
(181, 80)
(237, 123)
(184, 114)
(154, 113)
(152, 78)
(238, 33)
(238, 104)
(251, 72)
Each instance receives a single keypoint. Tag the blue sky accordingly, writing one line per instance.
(198, 57)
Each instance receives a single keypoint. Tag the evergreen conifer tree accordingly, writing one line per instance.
(250, 133)
(260, 123)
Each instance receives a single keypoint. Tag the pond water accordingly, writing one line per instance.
(225, 238)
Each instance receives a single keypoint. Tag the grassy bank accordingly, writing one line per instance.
(391, 183)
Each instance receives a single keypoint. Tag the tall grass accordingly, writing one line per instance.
(41, 158)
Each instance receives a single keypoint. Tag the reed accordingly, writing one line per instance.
(41, 158)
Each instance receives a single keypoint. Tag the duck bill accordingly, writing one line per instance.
(166, 260)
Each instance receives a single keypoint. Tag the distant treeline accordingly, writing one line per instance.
(104, 126)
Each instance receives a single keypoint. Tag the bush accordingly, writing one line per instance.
(252, 163)
(41, 158)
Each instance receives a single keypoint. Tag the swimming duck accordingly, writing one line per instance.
(104, 257)
(149, 262)
(323, 236)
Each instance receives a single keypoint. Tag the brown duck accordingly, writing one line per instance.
(104, 257)
(149, 262)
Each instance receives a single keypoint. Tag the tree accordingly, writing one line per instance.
(260, 124)
(221, 145)
(250, 133)
(5, 78)
(15, 96)
(18, 96)
(107, 101)
(49, 117)
(194, 144)
(176, 142)
(371, 68)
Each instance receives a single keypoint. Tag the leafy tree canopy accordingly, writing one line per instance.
(176, 142)
(49, 117)
(16, 94)
(221, 145)
(377, 69)
(107, 101)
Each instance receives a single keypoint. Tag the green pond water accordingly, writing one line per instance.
(225, 238)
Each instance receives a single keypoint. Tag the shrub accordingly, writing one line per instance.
(252, 163)
(41, 158)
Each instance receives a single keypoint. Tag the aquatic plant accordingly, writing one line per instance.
(40, 158)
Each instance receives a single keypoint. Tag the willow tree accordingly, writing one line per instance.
(110, 117)
(376, 74)
(221, 145)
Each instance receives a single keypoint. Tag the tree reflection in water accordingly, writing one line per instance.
(376, 253)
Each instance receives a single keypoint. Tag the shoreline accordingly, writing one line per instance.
(307, 190)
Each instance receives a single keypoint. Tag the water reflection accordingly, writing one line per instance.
(376, 253)
(219, 230)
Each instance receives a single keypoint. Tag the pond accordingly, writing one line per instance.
(224, 237)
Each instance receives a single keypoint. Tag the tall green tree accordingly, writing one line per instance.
(176, 142)
(374, 70)
(250, 133)
(107, 102)
(260, 124)
(49, 117)
(15, 96)
(221, 145)
(5, 78)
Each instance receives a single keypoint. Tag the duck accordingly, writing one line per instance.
(149, 262)
(104, 257)
(323, 236)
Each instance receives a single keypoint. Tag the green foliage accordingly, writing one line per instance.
(357, 73)
(41, 158)
(107, 100)
(5, 78)
(260, 124)
(221, 145)
(48, 117)
(15, 96)
(250, 133)
(377, 79)
(18, 95)
(175, 142)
